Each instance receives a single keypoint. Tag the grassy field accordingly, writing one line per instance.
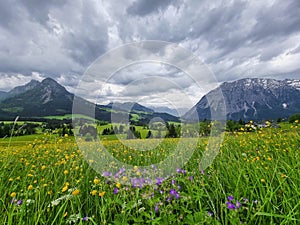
(253, 180)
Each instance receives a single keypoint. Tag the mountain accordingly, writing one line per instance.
(165, 109)
(49, 98)
(129, 106)
(253, 99)
(37, 99)
(2, 94)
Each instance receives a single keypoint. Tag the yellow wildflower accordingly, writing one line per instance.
(101, 194)
(64, 189)
(93, 192)
(76, 192)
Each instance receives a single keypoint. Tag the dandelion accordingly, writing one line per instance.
(10, 179)
(93, 192)
(64, 188)
(118, 185)
(29, 187)
(262, 180)
(76, 192)
(66, 172)
(96, 181)
(13, 194)
(44, 167)
(101, 194)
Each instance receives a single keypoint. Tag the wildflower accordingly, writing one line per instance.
(96, 181)
(43, 167)
(156, 208)
(283, 175)
(93, 192)
(101, 194)
(210, 213)
(230, 197)
(75, 192)
(66, 172)
(230, 205)
(238, 204)
(65, 214)
(191, 178)
(13, 201)
(116, 190)
(106, 174)
(173, 182)
(118, 185)
(19, 202)
(262, 180)
(13, 194)
(29, 187)
(10, 179)
(85, 218)
(64, 189)
(172, 192)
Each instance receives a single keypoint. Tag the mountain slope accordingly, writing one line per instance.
(48, 98)
(253, 99)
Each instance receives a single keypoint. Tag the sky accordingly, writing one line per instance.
(64, 39)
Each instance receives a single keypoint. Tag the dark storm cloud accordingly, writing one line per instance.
(50, 37)
(144, 7)
(235, 38)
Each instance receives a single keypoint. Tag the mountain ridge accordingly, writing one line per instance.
(252, 99)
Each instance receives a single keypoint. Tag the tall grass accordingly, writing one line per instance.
(253, 180)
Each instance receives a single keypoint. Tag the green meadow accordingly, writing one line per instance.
(253, 180)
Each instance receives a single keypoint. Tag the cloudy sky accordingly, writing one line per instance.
(61, 39)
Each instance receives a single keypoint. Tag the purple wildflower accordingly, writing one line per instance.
(191, 178)
(238, 204)
(85, 218)
(106, 174)
(179, 187)
(177, 196)
(156, 208)
(230, 205)
(245, 200)
(173, 182)
(13, 201)
(116, 190)
(159, 181)
(19, 202)
(230, 197)
(178, 170)
(172, 192)
(210, 213)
